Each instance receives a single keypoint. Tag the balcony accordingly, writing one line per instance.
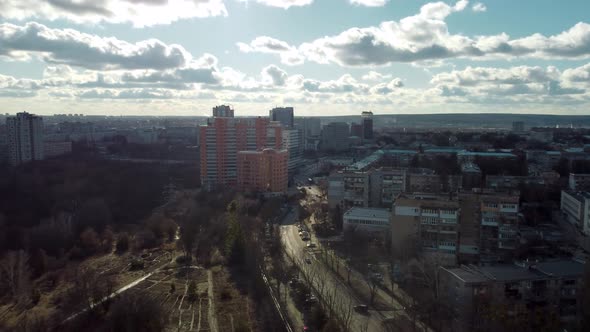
(489, 223)
(447, 247)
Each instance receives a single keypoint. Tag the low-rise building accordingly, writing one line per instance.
(474, 293)
(371, 220)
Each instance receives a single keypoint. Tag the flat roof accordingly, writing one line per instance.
(444, 150)
(367, 161)
(434, 202)
(487, 154)
(394, 151)
(508, 273)
(561, 268)
(358, 212)
(467, 275)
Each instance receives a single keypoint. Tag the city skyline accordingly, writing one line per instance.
(140, 57)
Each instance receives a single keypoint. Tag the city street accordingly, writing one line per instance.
(328, 287)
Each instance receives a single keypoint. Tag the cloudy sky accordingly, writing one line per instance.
(324, 57)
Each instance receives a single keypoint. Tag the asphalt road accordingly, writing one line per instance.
(328, 287)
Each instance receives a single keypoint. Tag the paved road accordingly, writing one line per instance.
(329, 288)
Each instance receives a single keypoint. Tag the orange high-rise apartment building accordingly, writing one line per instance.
(224, 136)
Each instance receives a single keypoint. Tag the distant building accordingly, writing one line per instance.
(471, 176)
(223, 111)
(24, 138)
(370, 220)
(545, 160)
(576, 208)
(474, 292)
(311, 126)
(335, 137)
(143, 136)
(264, 171)
(356, 129)
(284, 115)
(514, 181)
(54, 149)
(542, 136)
(292, 143)
(518, 126)
(310, 130)
(367, 122)
(579, 182)
(398, 158)
(469, 156)
(184, 135)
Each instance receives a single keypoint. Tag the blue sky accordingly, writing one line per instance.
(181, 57)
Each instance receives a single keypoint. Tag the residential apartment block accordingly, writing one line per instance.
(263, 171)
(223, 137)
(549, 288)
(579, 182)
(429, 220)
(370, 220)
(576, 208)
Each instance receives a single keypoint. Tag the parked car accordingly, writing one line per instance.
(311, 299)
(376, 276)
(361, 308)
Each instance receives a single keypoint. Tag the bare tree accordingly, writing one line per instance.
(15, 275)
(91, 290)
(346, 310)
(137, 312)
(373, 284)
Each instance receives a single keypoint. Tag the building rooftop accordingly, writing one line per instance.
(578, 195)
(428, 201)
(467, 275)
(563, 268)
(444, 150)
(357, 212)
(486, 154)
(508, 272)
(470, 168)
(367, 161)
(394, 151)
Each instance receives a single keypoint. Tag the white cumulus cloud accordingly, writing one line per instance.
(369, 3)
(479, 7)
(137, 12)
